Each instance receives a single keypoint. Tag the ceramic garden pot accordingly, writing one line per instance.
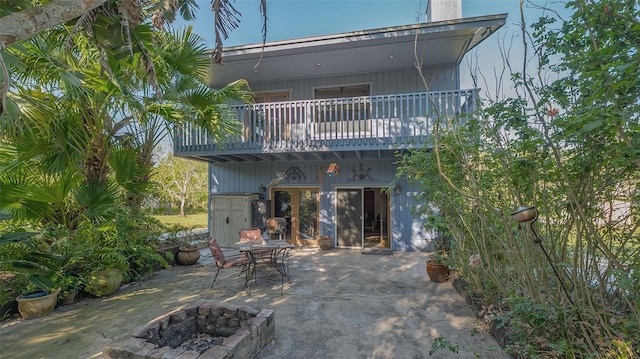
(188, 256)
(36, 305)
(325, 242)
(437, 272)
(68, 297)
(104, 282)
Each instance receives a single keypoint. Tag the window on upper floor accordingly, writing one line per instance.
(264, 97)
(342, 91)
(342, 103)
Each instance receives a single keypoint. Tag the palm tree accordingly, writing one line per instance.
(114, 21)
(76, 118)
(89, 102)
(186, 99)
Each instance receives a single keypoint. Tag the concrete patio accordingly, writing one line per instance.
(342, 304)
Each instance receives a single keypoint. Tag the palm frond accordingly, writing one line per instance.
(238, 90)
(98, 200)
(185, 53)
(226, 19)
(164, 11)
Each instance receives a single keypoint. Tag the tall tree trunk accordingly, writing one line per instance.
(22, 25)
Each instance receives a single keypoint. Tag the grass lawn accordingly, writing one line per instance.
(191, 221)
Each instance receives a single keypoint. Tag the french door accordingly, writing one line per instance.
(299, 207)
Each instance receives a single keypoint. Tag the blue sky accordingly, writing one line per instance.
(290, 19)
(301, 18)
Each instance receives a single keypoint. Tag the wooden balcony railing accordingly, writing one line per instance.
(306, 125)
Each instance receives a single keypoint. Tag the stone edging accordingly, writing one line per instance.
(463, 288)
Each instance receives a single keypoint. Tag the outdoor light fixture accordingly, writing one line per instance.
(530, 214)
(397, 189)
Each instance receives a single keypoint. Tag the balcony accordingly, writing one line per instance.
(340, 128)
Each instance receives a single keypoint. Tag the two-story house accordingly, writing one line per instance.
(319, 147)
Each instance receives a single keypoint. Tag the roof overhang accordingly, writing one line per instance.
(432, 43)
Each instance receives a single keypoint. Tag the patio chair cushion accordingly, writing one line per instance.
(254, 235)
(216, 251)
(249, 235)
(222, 261)
(234, 261)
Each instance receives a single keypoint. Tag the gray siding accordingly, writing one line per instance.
(406, 230)
(441, 78)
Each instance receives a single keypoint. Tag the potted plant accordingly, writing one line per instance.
(69, 284)
(37, 302)
(188, 253)
(106, 273)
(137, 237)
(94, 255)
(437, 267)
(168, 243)
(175, 245)
(325, 242)
(26, 254)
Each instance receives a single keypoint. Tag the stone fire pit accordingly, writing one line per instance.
(204, 331)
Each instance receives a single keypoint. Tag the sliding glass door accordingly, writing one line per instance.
(362, 218)
(349, 217)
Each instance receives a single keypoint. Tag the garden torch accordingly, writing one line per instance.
(530, 214)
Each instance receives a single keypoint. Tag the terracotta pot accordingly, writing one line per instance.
(188, 256)
(437, 272)
(37, 305)
(325, 242)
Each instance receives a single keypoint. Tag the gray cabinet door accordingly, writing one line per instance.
(229, 215)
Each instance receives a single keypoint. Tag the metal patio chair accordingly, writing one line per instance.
(224, 262)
